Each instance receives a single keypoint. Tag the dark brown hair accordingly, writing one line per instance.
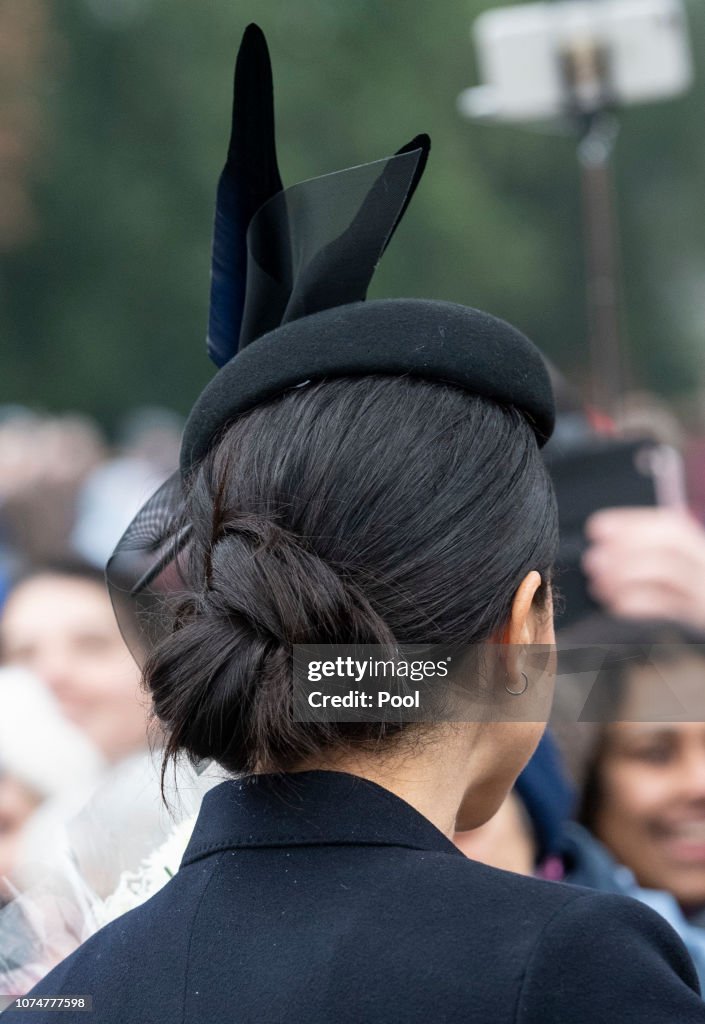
(376, 510)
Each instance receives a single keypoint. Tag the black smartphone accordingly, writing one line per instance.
(604, 473)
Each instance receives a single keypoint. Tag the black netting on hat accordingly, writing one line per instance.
(315, 245)
(143, 572)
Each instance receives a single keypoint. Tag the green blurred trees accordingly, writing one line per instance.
(106, 307)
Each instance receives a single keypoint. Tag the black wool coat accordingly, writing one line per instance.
(320, 897)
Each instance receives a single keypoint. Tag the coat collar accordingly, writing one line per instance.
(308, 809)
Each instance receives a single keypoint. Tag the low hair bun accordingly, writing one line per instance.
(218, 679)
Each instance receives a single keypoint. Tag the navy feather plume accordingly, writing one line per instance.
(250, 177)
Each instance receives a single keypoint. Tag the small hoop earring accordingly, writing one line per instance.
(525, 687)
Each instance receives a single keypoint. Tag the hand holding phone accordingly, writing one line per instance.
(647, 563)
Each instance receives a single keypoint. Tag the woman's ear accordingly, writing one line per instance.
(521, 625)
(528, 625)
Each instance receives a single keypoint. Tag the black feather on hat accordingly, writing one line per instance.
(290, 272)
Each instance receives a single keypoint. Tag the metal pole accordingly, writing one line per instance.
(607, 370)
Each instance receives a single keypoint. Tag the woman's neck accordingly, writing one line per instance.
(431, 775)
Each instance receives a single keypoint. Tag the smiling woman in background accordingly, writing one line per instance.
(643, 781)
(647, 801)
(58, 623)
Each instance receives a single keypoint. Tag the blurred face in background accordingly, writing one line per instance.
(63, 629)
(649, 806)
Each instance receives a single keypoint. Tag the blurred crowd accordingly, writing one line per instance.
(78, 776)
(612, 799)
